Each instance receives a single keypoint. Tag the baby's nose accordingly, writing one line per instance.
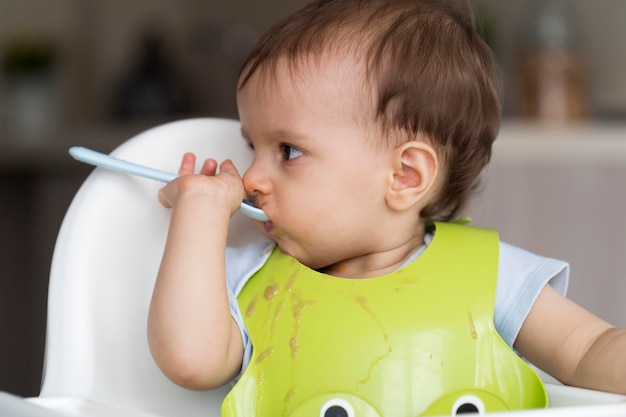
(255, 181)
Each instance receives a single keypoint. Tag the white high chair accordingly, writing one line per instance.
(97, 362)
(105, 262)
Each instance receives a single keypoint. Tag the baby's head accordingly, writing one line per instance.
(425, 75)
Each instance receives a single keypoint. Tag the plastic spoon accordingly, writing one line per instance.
(99, 159)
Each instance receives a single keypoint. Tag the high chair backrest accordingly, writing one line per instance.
(104, 267)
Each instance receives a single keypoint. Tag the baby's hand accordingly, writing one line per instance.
(224, 188)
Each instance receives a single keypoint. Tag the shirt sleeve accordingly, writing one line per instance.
(241, 264)
(521, 277)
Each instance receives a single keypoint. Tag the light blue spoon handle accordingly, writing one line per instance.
(99, 159)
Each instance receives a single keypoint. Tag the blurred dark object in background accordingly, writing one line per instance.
(31, 96)
(553, 74)
(154, 89)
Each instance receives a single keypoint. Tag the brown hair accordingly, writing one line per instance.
(432, 75)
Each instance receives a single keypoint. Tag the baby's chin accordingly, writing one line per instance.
(305, 259)
(335, 270)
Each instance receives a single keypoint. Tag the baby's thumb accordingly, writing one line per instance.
(163, 198)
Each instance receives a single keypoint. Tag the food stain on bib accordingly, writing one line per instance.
(363, 303)
(251, 307)
(270, 292)
(265, 354)
(472, 326)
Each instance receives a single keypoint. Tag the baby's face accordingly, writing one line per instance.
(316, 172)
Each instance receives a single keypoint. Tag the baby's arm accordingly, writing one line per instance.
(573, 345)
(191, 333)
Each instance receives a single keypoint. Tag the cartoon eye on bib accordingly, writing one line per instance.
(335, 404)
(337, 407)
(468, 404)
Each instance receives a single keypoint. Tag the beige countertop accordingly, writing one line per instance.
(519, 142)
(584, 143)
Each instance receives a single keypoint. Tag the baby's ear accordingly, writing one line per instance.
(415, 168)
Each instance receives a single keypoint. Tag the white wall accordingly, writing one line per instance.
(561, 192)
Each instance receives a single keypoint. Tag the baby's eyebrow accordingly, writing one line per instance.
(290, 136)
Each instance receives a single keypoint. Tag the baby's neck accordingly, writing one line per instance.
(376, 264)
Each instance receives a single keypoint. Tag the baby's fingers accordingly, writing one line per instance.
(209, 167)
(228, 170)
(188, 164)
(228, 167)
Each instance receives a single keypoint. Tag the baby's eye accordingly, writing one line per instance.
(289, 152)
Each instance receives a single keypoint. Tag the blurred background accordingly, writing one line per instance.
(96, 72)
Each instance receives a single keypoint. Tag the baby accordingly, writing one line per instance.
(371, 121)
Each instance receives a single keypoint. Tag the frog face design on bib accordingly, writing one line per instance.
(348, 405)
(419, 341)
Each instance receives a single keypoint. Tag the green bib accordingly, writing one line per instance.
(418, 341)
